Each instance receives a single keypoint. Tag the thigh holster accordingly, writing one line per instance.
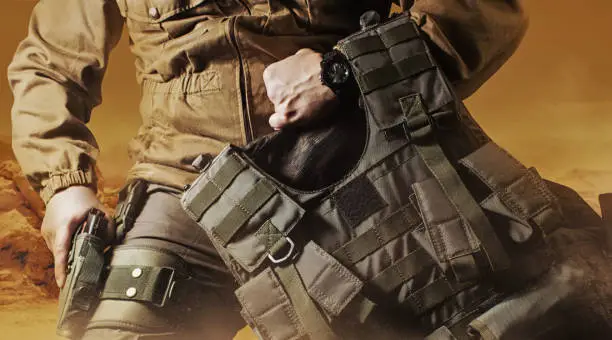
(145, 290)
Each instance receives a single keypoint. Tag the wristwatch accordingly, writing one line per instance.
(337, 74)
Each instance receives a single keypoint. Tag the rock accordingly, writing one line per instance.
(23, 247)
(9, 169)
(9, 197)
(31, 197)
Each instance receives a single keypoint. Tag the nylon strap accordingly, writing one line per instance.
(395, 72)
(151, 284)
(268, 309)
(374, 43)
(213, 189)
(403, 270)
(399, 34)
(522, 190)
(314, 322)
(436, 161)
(430, 296)
(432, 154)
(363, 45)
(403, 220)
(243, 210)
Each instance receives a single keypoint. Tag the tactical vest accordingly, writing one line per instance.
(433, 224)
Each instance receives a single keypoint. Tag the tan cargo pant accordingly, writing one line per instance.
(214, 310)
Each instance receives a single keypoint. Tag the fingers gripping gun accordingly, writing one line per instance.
(79, 295)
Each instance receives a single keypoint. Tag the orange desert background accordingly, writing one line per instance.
(550, 106)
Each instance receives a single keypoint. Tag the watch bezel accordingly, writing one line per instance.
(329, 59)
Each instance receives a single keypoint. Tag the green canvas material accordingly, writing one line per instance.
(405, 229)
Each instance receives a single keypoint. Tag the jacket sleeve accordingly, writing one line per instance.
(471, 39)
(56, 76)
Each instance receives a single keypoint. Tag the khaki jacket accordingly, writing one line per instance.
(199, 64)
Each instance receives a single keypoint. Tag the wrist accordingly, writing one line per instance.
(337, 75)
(61, 181)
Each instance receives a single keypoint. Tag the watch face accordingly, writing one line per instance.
(339, 73)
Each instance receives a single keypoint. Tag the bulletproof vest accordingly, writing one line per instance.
(399, 208)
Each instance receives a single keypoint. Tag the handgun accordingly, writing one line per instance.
(79, 295)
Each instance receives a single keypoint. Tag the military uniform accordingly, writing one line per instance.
(200, 66)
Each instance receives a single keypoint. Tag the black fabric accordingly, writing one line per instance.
(357, 200)
(313, 157)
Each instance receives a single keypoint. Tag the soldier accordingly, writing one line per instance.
(211, 73)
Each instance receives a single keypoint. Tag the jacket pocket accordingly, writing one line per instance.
(155, 11)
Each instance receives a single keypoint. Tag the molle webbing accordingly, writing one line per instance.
(471, 217)
(400, 222)
(401, 227)
(260, 235)
(393, 95)
(250, 215)
(395, 72)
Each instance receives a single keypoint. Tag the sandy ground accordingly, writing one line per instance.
(36, 321)
(29, 321)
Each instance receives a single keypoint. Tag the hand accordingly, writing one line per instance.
(65, 211)
(294, 87)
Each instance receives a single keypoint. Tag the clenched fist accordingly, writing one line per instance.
(65, 211)
(294, 87)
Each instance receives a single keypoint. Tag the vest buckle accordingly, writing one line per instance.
(290, 253)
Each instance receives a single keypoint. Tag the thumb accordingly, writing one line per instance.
(279, 120)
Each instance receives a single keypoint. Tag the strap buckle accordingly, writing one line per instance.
(129, 208)
(290, 253)
(164, 287)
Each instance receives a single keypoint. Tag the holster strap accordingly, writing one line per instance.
(131, 200)
(154, 285)
(161, 283)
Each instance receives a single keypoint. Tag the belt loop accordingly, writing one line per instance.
(131, 201)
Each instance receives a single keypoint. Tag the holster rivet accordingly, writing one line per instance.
(130, 292)
(136, 272)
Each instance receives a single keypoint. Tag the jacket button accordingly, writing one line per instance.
(154, 12)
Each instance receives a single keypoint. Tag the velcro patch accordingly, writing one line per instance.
(358, 200)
